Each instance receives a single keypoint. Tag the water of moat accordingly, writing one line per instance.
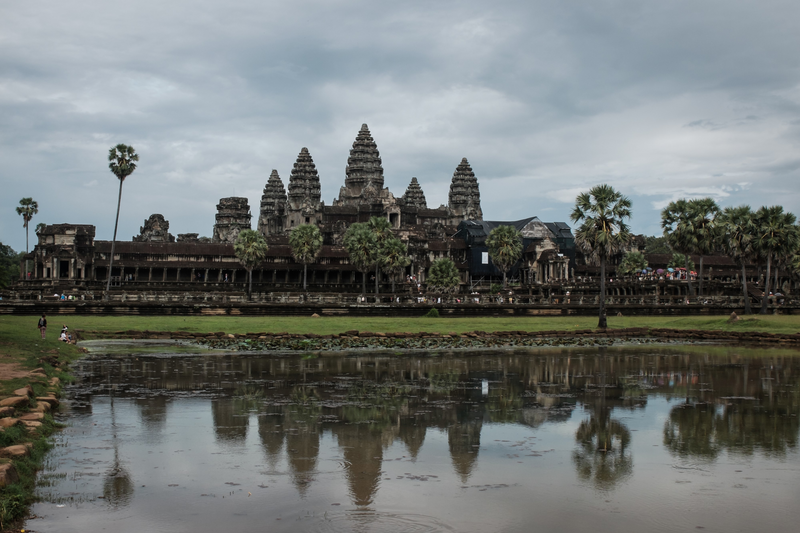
(636, 438)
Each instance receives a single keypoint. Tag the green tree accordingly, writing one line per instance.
(362, 248)
(27, 208)
(681, 261)
(603, 231)
(122, 162)
(736, 232)
(505, 248)
(306, 243)
(251, 250)
(704, 232)
(442, 276)
(776, 237)
(656, 245)
(632, 263)
(382, 229)
(394, 258)
(9, 265)
(676, 220)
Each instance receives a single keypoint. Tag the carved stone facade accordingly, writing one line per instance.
(233, 215)
(273, 206)
(155, 229)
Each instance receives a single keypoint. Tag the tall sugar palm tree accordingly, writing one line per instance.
(362, 248)
(505, 248)
(394, 258)
(602, 213)
(736, 232)
(703, 212)
(776, 236)
(306, 243)
(251, 250)
(122, 162)
(382, 229)
(676, 220)
(27, 208)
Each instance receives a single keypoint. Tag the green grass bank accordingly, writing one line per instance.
(22, 351)
(9, 325)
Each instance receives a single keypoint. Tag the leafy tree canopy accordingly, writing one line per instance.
(361, 245)
(9, 265)
(306, 243)
(250, 248)
(657, 245)
(632, 263)
(443, 276)
(679, 261)
(505, 246)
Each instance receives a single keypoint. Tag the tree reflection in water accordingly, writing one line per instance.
(117, 482)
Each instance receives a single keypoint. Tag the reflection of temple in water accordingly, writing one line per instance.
(368, 403)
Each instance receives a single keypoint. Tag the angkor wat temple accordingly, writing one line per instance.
(67, 255)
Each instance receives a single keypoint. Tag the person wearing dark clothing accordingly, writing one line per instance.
(43, 324)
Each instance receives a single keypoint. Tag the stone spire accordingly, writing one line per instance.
(363, 166)
(273, 205)
(414, 197)
(304, 185)
(465, 197)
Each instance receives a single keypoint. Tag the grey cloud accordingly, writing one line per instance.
(545, 98)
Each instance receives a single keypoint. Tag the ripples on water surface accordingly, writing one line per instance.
(624, 439)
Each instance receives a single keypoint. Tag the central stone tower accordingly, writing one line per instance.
(364, 173)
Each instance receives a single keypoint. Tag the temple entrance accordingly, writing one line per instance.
(63, 269)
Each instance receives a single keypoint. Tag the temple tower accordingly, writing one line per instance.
(414, 197)
(233, 215)
(155, 229)
(465, 196)
(272, 217)
(364, 173)
(304, 206)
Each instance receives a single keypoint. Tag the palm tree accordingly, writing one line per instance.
(676, 220)
(394, 258)
(306, 243)
(776, 236)
(362, 247)
(703, 212)
(443, 275)
(603, 231)
(505, 248)
(122, 162)
(736, 232)
(27, 208)
(382, 229)
(251, 250)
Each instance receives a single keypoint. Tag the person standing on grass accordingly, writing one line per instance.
(43, 324)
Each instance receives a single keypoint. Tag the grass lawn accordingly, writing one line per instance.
(18, 329)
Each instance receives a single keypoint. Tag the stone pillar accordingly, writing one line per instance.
(205, 276)
(177, 274)
(150, 274)
(164, 274)
(193, 275)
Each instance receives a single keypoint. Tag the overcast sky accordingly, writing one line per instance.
(546, 98)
